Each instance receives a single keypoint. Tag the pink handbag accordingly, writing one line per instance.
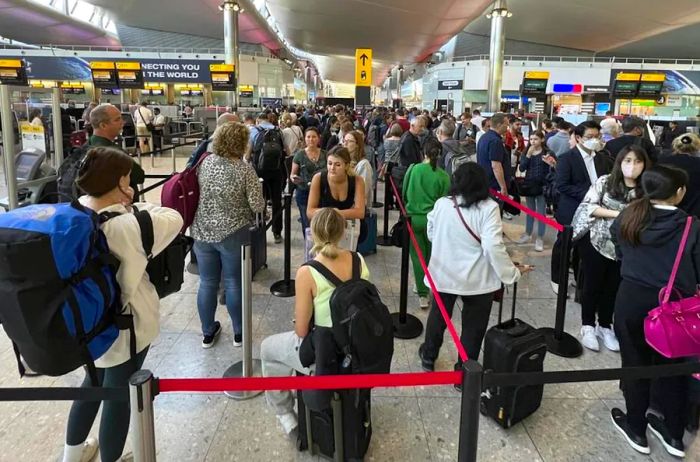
(673, 328)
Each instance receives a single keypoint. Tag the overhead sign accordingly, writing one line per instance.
(537, 75)
(596, 89)
(363, 67)
(12, 72)
(129, 74)
(654, 77)
(245, 91)
(450, 84)
(567, 88)
(223, 77)
(628, 76)
(104, 74)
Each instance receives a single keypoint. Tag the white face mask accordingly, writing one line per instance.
(593, 144)
(631, 171)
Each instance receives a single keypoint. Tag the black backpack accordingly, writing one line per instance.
(362, 330)
(167, 269)
(68, 173)
(268, 151)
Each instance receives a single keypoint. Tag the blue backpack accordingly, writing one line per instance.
(61, 304)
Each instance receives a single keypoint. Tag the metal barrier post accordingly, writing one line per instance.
(469, 416)
(8, 146)
(172, 154)
(142, 423)
(248, 367)
(385, 240)
(375, 204)
(285, 287)
(57, 127)
(559, 342)
(406, 325)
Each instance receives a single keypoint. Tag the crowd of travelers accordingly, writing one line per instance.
(626, 198)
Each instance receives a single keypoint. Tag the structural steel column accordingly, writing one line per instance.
(498, 39)
(231, 10)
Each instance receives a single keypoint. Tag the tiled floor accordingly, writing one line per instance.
(410, 424)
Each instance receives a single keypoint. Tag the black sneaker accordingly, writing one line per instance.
(209, 340)
(428, 365)
(278, 238)
(638, 443)
(658, 427)
(237, 340)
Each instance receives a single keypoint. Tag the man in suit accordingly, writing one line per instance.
(577, 170)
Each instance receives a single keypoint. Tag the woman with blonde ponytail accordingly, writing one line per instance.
(280, 352)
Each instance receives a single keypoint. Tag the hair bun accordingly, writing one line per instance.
(686, 139)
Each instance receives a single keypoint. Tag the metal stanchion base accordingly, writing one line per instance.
(384, 241)
(376, 205)
(236, 371)
(412, 328)
(566, 346)
(283, 288)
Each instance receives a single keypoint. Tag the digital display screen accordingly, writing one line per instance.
(110, 91)
(534, 86)
(24, 166)
(130, 79)
(625, 88)
(104, 78)
(650, 88)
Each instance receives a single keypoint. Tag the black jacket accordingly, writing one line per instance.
(650, 263)
(615, 145)
(572, 181)
(409, 151)
(691, 164)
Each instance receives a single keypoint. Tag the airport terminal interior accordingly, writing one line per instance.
(532, 97)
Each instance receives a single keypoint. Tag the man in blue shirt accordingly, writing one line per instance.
(492, 155)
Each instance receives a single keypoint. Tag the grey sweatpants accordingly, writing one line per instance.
(279, 354)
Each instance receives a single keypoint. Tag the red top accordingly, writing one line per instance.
(510, 142)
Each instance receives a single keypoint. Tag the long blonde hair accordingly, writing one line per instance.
(327, 229)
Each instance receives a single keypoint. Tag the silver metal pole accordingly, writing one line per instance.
(248, 367)
(231, 45)
(496, 58)
(172, 152)
(142, 422)
(57, 127)
(8, 146)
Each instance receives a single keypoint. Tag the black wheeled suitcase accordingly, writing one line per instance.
(258, 243)
(342, 432)
(512, 346)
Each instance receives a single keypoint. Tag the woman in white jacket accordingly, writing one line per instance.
(104, 177)
(468, 259)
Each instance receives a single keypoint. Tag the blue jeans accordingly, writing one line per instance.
(536, 203)
(302, 198)
(214, 260)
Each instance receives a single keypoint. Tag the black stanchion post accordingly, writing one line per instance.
(385, 240)
(376, 204)
(559, 342)
(406, 325)
(285, 287)
(469, 416)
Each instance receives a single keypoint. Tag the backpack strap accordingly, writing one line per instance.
(324, 271)
(146, 225)
(356, 267)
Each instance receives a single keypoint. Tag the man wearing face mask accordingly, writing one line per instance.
(634, 129)
(577, 170)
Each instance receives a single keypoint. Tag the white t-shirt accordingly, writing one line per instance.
(364, 169)
(293, 139)
(143, 116)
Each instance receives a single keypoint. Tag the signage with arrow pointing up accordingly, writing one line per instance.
(363, 67)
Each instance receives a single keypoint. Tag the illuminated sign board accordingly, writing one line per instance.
(223, 77)
(12, 72)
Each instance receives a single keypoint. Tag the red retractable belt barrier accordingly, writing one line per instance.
(532, 213)
(436, 295)
(316, 382)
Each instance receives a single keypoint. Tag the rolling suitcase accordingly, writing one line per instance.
(342, 432)
(258, 243)
(512, 346)
(369, 245)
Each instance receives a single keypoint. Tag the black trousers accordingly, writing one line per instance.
(475, 319)
(556, 259)
(670, 393)
(601, 278)
(272, 191)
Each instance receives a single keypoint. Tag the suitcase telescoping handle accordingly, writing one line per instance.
(500, 303)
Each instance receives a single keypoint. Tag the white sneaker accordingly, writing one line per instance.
(609, 339)
(555, 287)
(288, 421)
(424, 302)
(539, 245)
(87, 451)
(589, 339)
(523, 239)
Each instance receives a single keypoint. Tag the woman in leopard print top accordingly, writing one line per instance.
(229, 196)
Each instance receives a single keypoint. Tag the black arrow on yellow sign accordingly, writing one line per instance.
(364, 58)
